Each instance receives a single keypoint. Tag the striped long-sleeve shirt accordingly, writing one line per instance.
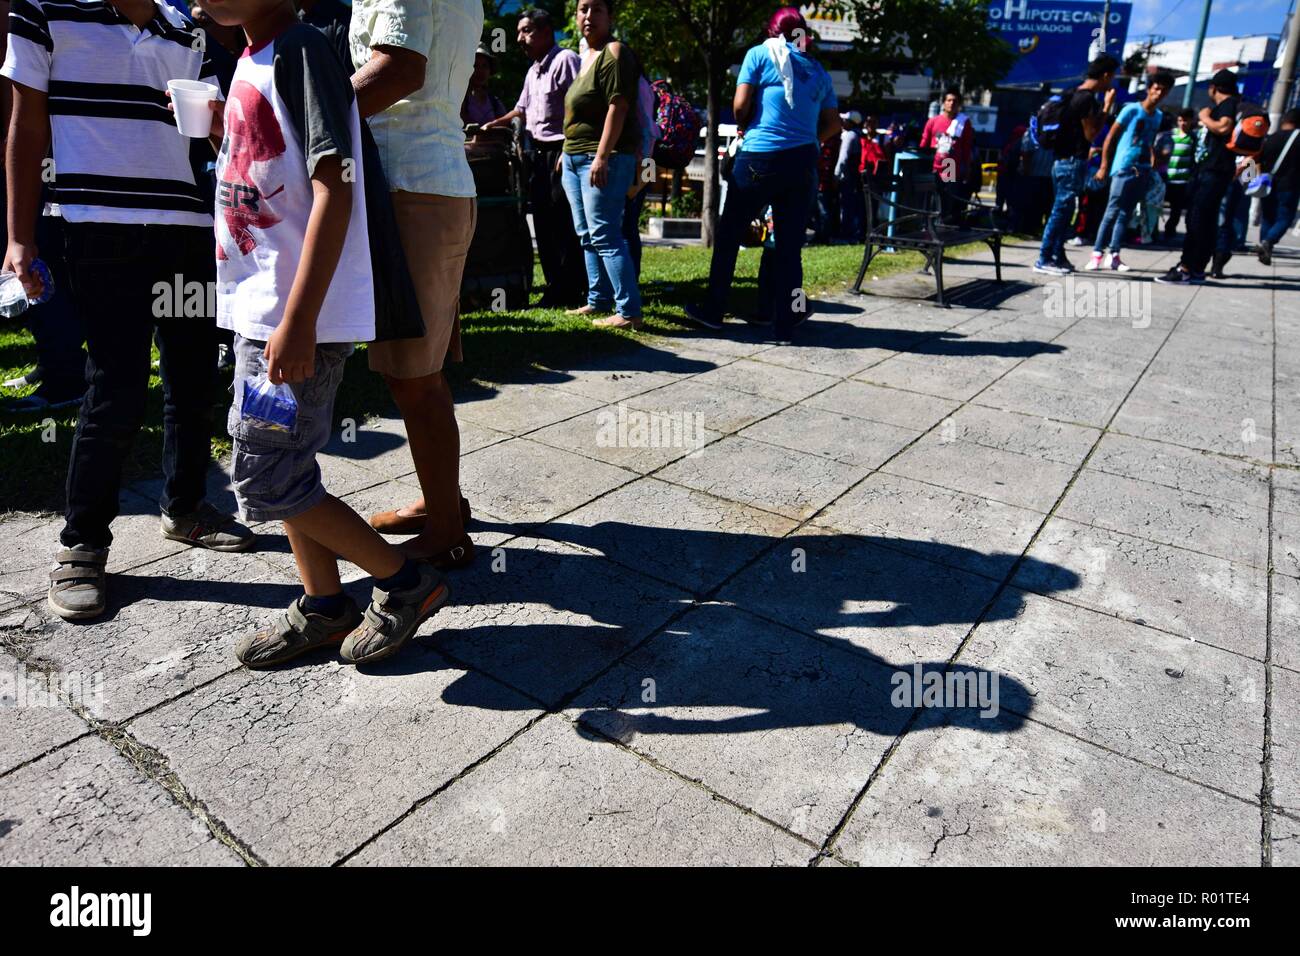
(1183, 157)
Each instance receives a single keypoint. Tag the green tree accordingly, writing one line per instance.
(949, 39)
(693, 43)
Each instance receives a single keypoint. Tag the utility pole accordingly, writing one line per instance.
(1196, 56)
(1286, 72)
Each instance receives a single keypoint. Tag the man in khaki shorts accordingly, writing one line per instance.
(414, 59)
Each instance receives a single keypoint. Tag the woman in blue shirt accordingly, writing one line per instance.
(785, 107)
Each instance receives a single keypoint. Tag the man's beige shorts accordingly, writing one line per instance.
(436, 232)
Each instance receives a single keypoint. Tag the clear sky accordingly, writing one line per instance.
(1180, 19)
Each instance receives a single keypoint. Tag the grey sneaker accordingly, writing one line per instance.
(206, 527)
(77, 585)
(393, 618)
(295, 632)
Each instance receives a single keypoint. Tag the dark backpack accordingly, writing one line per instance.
(1247, 137)
(1045, 126)
(679, 128)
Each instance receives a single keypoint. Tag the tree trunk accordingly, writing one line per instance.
(709, 212)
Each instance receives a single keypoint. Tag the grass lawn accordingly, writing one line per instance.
(499, 347)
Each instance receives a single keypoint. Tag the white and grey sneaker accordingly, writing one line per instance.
(206, 527)
(78, 590)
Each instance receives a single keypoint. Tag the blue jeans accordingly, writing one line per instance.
(1127, 187)
(1276, 211)
(1067, 182)
(598, 221)
(785, 179)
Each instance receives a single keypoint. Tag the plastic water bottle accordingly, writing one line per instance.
(13, 297)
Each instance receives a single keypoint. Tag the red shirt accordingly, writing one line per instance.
(935, 135)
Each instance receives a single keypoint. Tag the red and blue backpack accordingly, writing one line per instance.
(679, 128)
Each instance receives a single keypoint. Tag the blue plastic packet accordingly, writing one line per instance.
(41, 270)
(269, 406)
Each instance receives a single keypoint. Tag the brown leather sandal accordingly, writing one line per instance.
(392, 522)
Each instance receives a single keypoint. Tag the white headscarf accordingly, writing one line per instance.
(780, 51)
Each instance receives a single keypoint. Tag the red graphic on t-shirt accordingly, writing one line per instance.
(253, 140)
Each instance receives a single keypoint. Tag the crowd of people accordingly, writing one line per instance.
(1086, 171)
(332, 203)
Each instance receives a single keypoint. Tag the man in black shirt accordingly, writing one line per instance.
(1213, 176)
(1280, 158)
(1079, 125)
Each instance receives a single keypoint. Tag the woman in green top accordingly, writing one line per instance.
(601, 140)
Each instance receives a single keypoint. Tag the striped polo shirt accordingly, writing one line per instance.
(117, 154)
(1182, 158)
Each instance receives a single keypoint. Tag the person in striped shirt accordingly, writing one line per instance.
(1178, 174)
(91, 77)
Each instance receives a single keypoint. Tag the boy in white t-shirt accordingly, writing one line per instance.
(294, 283)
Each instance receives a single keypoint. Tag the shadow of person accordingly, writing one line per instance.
(861, 636)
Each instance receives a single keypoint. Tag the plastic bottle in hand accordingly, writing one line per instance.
(13, 297)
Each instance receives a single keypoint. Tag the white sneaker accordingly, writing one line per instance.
(1075, 241)
(1094, 263)
(1113, 263)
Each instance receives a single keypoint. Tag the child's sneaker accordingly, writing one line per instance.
(296, 632)
(77, 583)
(1049, 268)
(1113, 263)
(1075, 241)
(1094, 263)
(393, 617)
(206, 527)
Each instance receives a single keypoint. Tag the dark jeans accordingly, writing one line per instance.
(852, 210)
(114, 270)
(1206, 196)
(952, 201)
(1234, 220)
(1276, 211)
(1176, 194)
(56, 325)
(632, 227)
(783, 179)
(557, 242)
(1067, 181)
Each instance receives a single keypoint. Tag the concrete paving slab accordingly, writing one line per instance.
(1174, 704)
(86, 805)
(639, 441)
(1197, 596)
(540, 482)
(950, 527)
(307, 762)
(1213, 526)
(545, 617)
(778, 722)
(891, 406)
(755, 473)
(1023, 480)
(685, 537)
(957, 797)
(711, 407)
(519, 409)
(856, 442)
(558, 797)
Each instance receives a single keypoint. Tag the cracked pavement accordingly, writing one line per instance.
(693, 652)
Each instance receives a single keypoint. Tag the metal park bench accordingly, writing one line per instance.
(908, 218)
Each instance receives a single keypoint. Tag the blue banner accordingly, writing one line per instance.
(1055, 39)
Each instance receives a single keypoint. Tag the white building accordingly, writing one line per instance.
(1218, 52)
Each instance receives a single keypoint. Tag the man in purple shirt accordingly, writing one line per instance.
(541, 104)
